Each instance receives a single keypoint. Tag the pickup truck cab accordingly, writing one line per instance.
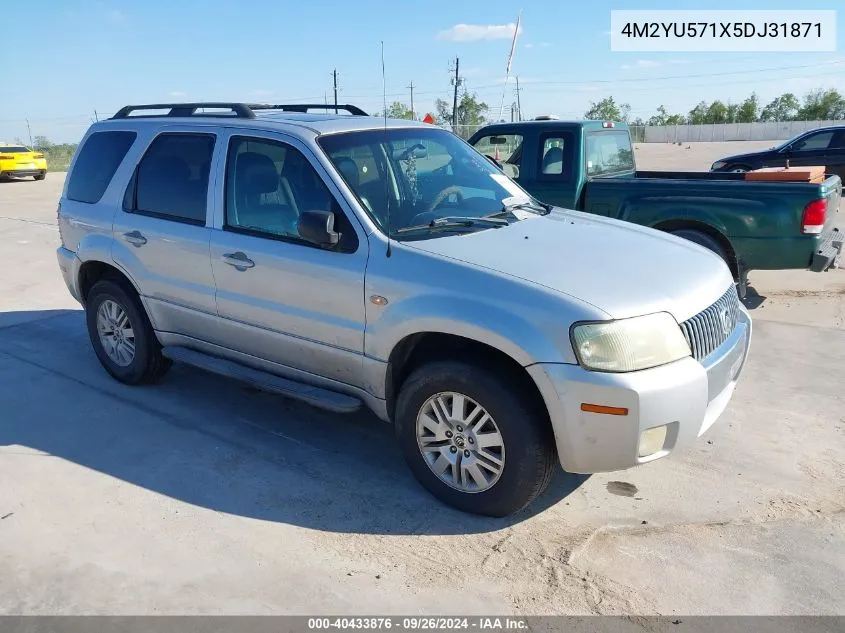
(346, 260)
(590, 166)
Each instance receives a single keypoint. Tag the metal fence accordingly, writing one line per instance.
(759, 131)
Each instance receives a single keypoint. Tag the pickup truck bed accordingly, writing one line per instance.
(751, 215)
(590, 166)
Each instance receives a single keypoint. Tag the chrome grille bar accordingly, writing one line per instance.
(711, 327)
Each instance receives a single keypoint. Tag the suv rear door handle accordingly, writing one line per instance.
(135, 238)
(238, 259)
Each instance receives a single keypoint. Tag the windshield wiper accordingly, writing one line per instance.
(453, 221)
(540, 208)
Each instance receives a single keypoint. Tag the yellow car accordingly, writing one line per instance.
(19, 161)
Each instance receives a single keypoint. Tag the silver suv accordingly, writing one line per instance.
(342, 259)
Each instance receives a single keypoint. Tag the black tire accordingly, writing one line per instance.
(702, 239)
(738, 168)
(148, 364)
(530, 457)
(40, 177)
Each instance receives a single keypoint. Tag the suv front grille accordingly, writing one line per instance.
(711, 327)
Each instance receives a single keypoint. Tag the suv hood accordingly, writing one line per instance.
(621, 268)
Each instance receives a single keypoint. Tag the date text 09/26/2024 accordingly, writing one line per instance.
(417, 623)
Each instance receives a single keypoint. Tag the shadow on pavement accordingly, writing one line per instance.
(215, 443)
(753, 299)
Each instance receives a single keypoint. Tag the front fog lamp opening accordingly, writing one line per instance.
(653, 440)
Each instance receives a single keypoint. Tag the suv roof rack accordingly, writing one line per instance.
(238, 110)
(305, 107)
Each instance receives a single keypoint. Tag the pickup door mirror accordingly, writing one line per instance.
(317, 227)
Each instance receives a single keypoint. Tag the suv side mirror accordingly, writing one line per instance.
(317, 227)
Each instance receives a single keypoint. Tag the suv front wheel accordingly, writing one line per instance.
(471, 440)
(121, 334)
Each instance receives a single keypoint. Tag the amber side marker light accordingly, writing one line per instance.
(600, 408)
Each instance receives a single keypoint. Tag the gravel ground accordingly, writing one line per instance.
(201, 496)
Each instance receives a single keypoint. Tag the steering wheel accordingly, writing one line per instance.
(445, 193)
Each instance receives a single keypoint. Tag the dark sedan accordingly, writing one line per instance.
(822, 146)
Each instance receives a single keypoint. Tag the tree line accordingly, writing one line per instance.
(816, 105)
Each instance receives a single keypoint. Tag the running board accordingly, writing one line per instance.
(315, 396)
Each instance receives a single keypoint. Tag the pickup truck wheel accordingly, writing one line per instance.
(702, 239)
(471, 440)
(122, 336)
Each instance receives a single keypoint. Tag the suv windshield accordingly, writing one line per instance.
(422, 175)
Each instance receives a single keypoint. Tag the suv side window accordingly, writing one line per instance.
(268, 184)
(171, 181)
(96, 164)
(555, 159)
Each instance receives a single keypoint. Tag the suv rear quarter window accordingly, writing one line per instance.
(96, 164)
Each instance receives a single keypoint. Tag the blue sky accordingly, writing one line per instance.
(72, 57)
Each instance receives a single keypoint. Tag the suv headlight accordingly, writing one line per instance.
(717, 165)
(629, 344)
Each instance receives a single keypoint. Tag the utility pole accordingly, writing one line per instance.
(457, 82)
(518, 103)
(513, 109)
(96, 116)
(29, 130)
(413, 114)
(334, 81)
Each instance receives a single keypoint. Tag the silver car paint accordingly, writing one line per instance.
(306, 313)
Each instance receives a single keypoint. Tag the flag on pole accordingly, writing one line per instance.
(513, 43)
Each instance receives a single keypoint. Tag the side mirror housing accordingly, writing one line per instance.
(317, 227)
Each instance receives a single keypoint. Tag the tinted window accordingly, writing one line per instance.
(505, 148)
(608, 153)
(838, 141)
(13, 149)
(814, 141)
(172, 178)
(268, 184)
(556, 156)
(94, 168)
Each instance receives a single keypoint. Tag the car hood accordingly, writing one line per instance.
(748, 156)
(621, 268)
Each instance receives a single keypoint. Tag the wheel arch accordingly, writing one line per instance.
(94, 270)
(419, 348)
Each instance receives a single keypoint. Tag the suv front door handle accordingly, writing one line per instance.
(135, 238)
(238, 259)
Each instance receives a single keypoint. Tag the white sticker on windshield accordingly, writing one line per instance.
(510, 186)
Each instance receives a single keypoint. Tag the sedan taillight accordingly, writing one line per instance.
(38, 155)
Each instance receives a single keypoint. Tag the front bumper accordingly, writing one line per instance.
(686, 395)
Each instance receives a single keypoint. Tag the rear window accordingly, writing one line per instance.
(13, 149)
(94, 168)
(608, 153)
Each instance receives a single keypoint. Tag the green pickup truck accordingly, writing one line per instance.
(590, 166)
